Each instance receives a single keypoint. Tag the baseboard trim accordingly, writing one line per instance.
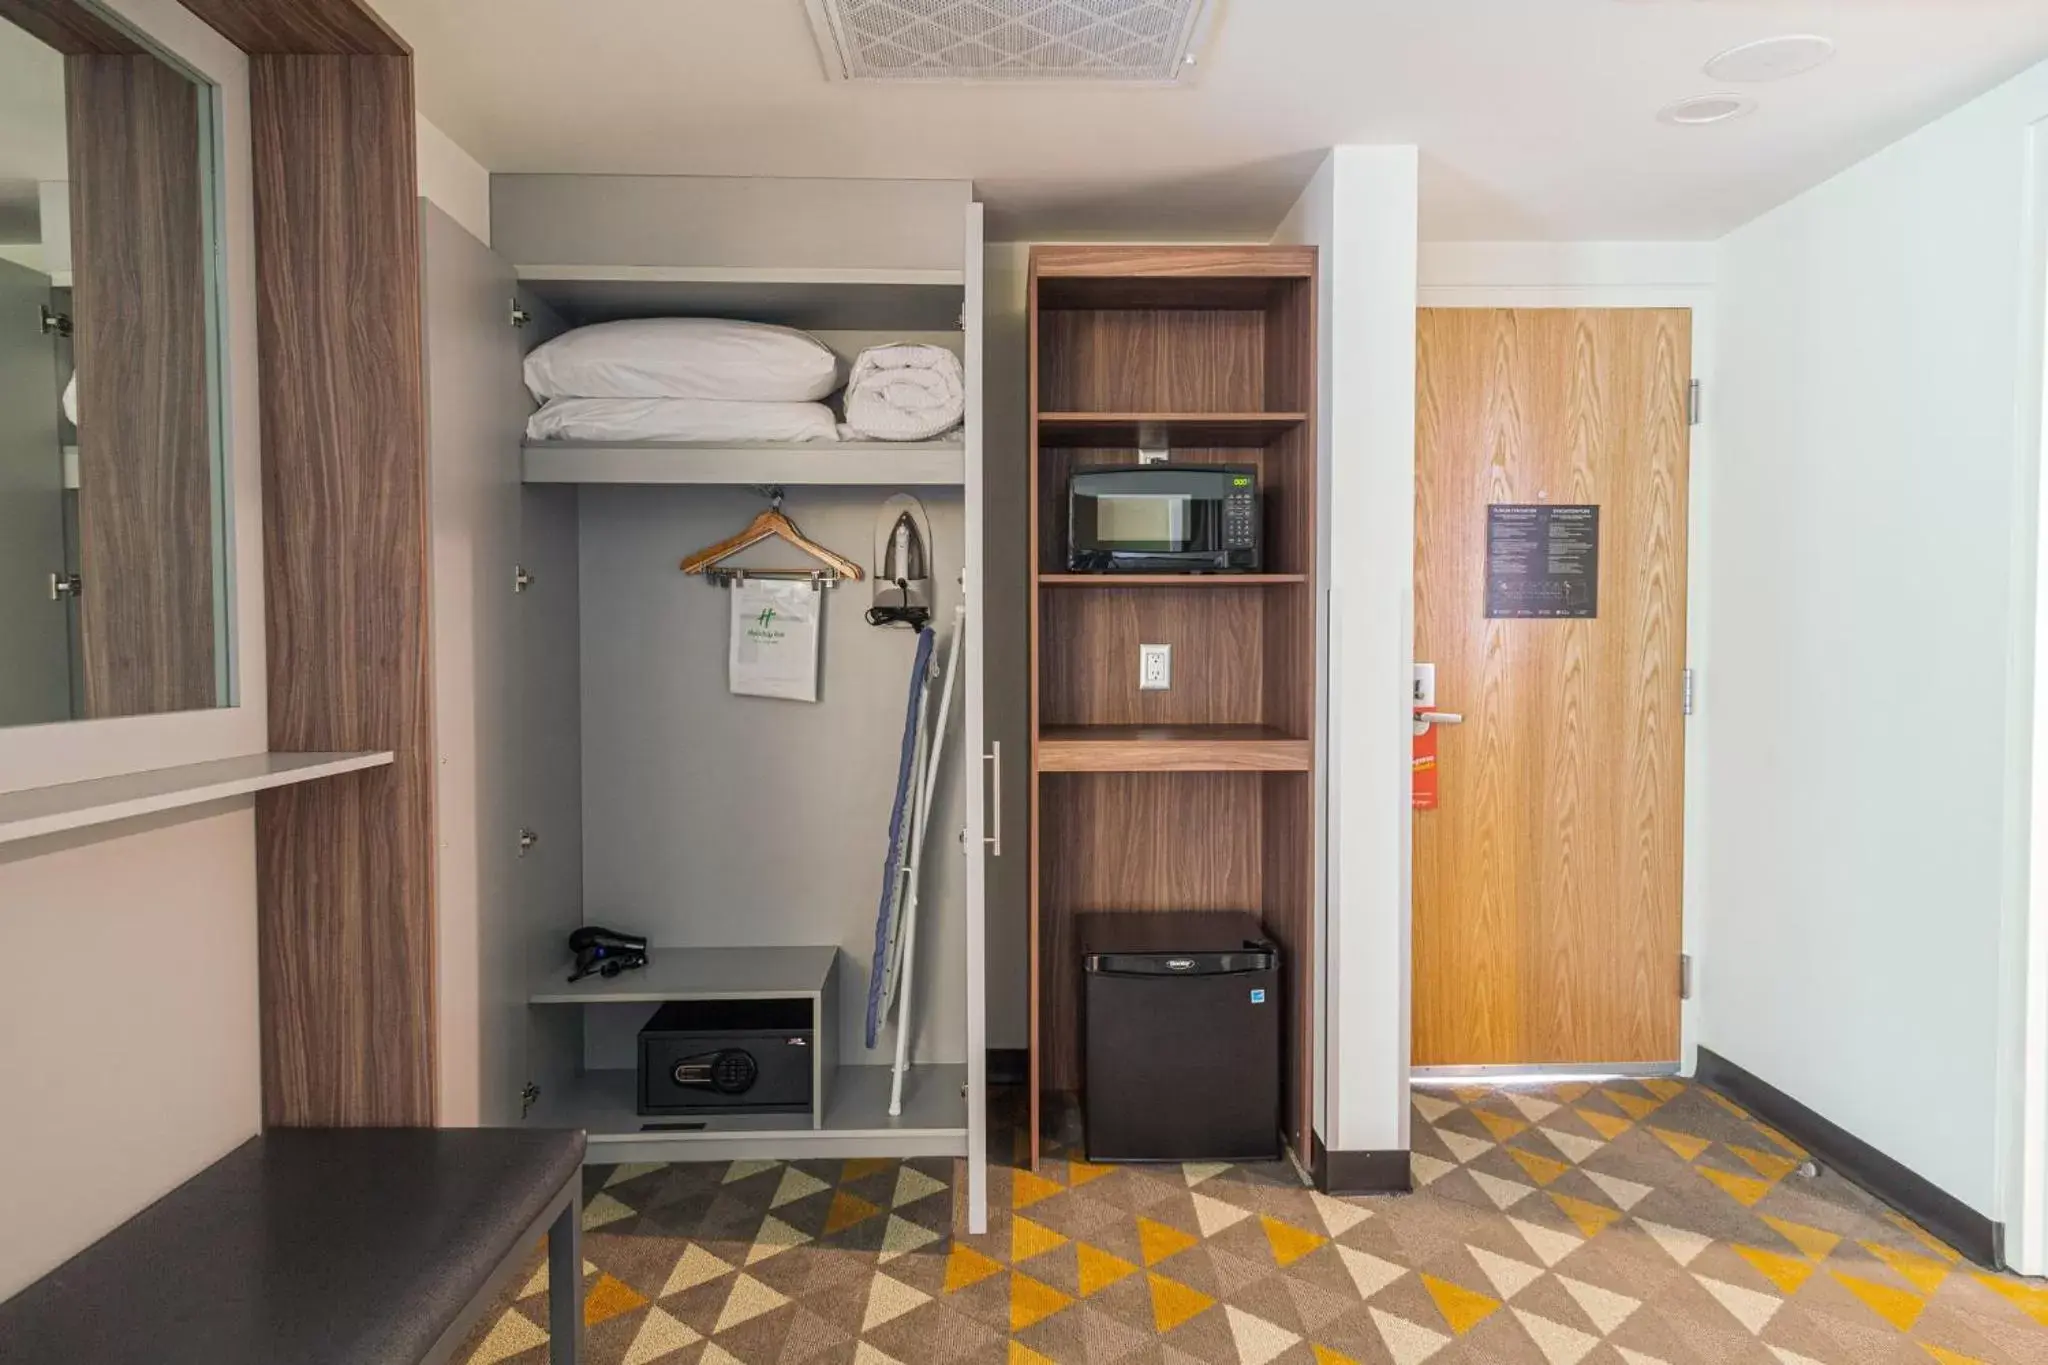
(1919, 1198)
(1008, 1066)
(1385, 1172)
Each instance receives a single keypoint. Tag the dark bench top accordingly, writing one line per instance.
(301, 1247)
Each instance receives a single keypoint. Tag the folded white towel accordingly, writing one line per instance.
(905, 392)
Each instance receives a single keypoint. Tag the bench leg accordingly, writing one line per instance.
(565, 1283)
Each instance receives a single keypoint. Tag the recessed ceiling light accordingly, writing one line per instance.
(1707, 109)
(1772, 59)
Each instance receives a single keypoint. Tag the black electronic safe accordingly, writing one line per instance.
(727, 1057)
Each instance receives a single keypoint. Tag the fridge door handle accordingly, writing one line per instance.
(994, 757)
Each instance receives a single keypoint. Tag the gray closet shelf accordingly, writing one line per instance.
(38, 811)
(857, 1122)
(844, 463)
(697, 974)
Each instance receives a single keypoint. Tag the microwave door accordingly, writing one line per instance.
(1144, 523)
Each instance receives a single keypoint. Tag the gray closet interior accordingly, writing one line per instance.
(595, 768)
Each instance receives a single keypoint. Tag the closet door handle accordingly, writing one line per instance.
(994, 756)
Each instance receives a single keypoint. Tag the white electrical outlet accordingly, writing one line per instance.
(1155, 668)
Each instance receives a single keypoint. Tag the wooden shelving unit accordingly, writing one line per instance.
(1201, 796)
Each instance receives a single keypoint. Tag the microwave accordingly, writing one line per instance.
(1164, 518)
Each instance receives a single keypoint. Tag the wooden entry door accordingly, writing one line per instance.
(1547, 879)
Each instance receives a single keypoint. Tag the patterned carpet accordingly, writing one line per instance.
(1625, 1224)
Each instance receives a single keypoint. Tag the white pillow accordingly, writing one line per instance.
(684, 358)
(679, 419)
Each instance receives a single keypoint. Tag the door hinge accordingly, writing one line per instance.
(529, 1095)
(54, 323)
(527, 839)
(63, 585)
(521, 579)
(518, 316)
(1692, 404)
(1691, 690)
(1685, 976)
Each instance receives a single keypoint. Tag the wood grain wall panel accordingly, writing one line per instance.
(1090, 656)
(1133, 841)
(304, 27)
(1547, 883)
(1152, 360)
(1290, 657)
(346, 867)
(1287, 899)
(1037, 516)
(146, 468)
(68, 26)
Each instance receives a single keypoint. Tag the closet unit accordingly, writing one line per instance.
(1201, 796)
(594, 767)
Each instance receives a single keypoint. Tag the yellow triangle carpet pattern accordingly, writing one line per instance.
(1630, 1223)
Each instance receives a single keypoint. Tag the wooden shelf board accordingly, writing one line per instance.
(696, 974)
(857, 1122)
(839, 463)
(1171, 749)
(1167, 580)
(1179, 430)
(38, 811)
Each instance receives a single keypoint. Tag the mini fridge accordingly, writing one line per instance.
(1180, 1036)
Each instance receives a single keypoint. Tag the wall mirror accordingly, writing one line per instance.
(114, 572)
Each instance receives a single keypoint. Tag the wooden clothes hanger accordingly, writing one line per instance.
(771, 523)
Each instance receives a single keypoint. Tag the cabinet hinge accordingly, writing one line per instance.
(1692, 404)
(1685, 976)
(63, 585)
(54, 323)
(529, 1095)
(1691, 690)
(521, 579)
(518, 316)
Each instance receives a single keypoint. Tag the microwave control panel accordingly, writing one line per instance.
(1241, 516)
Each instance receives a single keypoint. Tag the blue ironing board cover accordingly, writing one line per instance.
(913, 714)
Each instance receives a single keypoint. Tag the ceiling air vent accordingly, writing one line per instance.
(1148, 41)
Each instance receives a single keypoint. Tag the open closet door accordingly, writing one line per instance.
(476, 414)
(35, 687)
(982, 832)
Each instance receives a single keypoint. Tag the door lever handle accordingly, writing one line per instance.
(1425, 719)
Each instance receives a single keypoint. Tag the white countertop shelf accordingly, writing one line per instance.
(696, 974)
(38, 811)
(841, 463)
(934, 1121)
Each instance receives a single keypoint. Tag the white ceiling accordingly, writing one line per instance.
(1536, 118)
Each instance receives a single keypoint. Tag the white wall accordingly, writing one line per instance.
(1360, 210)
(451, 179)
(1872, 513)
(128, 1029)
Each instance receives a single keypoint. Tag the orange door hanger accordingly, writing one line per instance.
(1425, 763)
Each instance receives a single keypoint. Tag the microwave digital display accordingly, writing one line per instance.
(1164, 518)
